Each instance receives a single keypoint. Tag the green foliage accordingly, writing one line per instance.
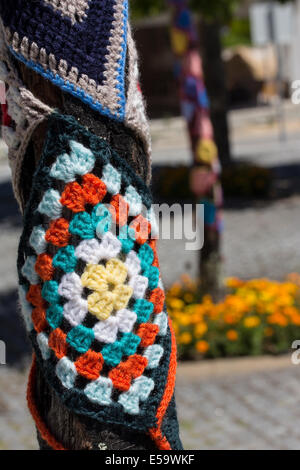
(144, 8)
(221, 10)
(238, 33)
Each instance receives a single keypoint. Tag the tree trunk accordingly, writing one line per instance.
(211, 264)
(73, 431)
(214, 73)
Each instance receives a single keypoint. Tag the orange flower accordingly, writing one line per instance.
(229, 318)
(202, 346)
(232, 335)
(200, 329)
(278, 319)
(296, 319)
(188, 298)
(249, 304)
(185, 338)
(251, 322)
(234, 282)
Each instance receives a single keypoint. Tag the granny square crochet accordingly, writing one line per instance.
(90, 284)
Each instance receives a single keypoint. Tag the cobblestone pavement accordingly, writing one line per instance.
(242, 410)
(238, 404)
(258, 241)
(16, 426)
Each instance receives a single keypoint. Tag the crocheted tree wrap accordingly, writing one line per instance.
(85, 48)
(90, 286)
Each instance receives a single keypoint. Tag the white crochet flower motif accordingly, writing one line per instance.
(112, 284)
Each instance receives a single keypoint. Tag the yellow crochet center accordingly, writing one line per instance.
(108, 283)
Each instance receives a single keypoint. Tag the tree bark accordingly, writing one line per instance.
(211, 266)
(75, 432)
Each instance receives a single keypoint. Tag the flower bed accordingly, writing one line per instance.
(256, 317)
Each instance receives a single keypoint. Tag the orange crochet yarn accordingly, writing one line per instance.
(90, 365)
(57, 342)
(122, 375)
(34, 296)
(147, 332)
(43, 267)
(156, 433)
(142, 229)
(157, 297)
(73, 197)
(39, 319)
(58, 233)
(120, 210)
(153, 244)
(93, 188)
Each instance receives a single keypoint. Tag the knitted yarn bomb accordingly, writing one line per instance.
(85, 48)
(90, 286)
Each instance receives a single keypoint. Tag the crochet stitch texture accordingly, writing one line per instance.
(86, 57)
(24, 112)
(90, 286)
(85, 48)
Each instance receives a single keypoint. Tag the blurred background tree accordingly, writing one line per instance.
(213, 15)
(220, 25)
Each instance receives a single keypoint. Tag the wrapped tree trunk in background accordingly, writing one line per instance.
(214, 73)
(205, 172)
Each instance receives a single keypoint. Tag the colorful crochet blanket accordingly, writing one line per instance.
(90, 286)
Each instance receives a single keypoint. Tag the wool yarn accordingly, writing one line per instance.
(90, 287)
(85, 48)
(24, 113)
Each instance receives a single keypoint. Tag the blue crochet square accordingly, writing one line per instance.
(83, 225)
(152, 273)
(54, 315)
(130, 343)
(50, 292)
(80, 338)
(143, 309)
(146, 256)
(112, 353)
(65, 259)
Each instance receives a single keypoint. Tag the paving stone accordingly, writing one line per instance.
(251, 418)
